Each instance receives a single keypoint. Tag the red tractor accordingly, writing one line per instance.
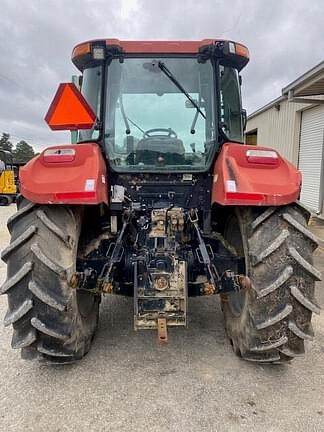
(159, 200)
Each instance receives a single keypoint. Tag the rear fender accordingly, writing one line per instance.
(238, 181)
(66, 174)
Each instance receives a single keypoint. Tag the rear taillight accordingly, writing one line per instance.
(59, 155)
(265, 157)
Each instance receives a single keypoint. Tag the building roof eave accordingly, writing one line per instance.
(309, 84)
(267, 106)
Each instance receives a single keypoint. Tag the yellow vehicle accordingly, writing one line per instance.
(8, 188)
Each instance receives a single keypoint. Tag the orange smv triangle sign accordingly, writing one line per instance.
(69, 110)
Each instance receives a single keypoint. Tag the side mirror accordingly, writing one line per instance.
(244, 118)
(69, 110)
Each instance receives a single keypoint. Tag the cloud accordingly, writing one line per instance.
(37, 37)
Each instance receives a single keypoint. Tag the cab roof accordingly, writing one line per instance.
(82, 51)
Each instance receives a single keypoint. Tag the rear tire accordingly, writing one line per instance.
(270, 321)
(49, 318)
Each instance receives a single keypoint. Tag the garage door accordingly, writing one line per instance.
(311, 155)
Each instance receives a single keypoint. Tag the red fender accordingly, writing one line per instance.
(66, 174)
(259, 177)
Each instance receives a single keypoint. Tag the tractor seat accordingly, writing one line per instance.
(160, 150)
(162, 144)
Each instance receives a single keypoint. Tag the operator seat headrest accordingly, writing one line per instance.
(149, 151)
(163, 144)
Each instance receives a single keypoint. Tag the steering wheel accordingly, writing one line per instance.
(169, 132)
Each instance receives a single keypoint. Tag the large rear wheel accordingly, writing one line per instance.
(270, 321)
(49, 318)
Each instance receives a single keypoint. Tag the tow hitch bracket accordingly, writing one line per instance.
(162, 330)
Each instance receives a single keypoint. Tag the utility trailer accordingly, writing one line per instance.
(159, 200)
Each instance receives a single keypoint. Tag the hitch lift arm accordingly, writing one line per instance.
(228, 281)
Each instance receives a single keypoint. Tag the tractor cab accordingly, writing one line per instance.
(162, 106)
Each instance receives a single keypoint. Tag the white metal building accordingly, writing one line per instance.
(294, 125)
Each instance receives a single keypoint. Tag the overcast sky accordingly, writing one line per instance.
(285, 39)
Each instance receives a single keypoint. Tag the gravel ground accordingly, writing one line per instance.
(129, 383)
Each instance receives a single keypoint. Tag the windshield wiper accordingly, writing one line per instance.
(136, 125)
(172, 78)
(127, 119)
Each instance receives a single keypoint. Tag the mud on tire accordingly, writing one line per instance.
(49, 318)
(270, 321)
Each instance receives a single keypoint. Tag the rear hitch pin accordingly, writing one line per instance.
(162, 330)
